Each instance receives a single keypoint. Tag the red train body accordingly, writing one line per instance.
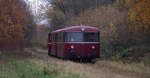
(75, 42)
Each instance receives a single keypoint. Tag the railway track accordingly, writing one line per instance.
(101, 69)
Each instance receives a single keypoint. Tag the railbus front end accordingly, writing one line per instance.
(84, 45)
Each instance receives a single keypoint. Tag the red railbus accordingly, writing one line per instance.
(75, 42)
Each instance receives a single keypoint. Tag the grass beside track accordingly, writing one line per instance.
(10, 67)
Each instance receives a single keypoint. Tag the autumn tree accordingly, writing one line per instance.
(15, 22)
(139, 15)
(130, 3)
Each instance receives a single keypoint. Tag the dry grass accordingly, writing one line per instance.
(107, 69)
(101, 69)
(127, 70)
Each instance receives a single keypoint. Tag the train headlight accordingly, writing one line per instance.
(82, 29)
(93, 47)
(72, 46)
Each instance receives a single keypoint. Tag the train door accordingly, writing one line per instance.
(60, 44)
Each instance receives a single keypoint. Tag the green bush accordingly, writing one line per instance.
(147, 60)
(132, 54)
(136, 53)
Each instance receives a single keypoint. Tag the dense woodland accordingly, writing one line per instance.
(16, 24)
(124, 24)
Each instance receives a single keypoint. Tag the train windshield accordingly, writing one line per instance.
(74, 37)
(91, 37)
(82, 37)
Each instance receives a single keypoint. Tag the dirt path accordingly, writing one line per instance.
(101, 69)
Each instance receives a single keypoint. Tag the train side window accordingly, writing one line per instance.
(52, 38)
(65, 36)
(56, 37)
(61, 37)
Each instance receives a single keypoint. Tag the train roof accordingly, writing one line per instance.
(77, 29)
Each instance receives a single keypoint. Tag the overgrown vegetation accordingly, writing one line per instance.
(41, 38)
(13, 68)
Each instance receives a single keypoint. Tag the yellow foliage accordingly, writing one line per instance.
(140, 16)
(130, 3)
(13, 20)
(112, 28)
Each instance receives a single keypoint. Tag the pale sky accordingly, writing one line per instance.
(32, 0)
(38, 8)
(38, 5)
